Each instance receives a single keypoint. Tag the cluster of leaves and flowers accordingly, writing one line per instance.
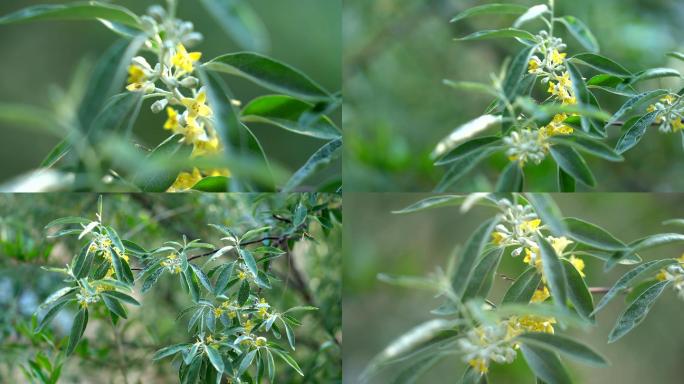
(235, 333)
(569, 120)
(211, 148)
(549, 295)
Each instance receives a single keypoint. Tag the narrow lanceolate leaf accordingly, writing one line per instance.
(83, 263)
(243, 293)
(248, 258)
(323, 157)
(634, 102)
(656, 240)
(246, 362)
(513, 84)
(471, 252)
(637, 311)
(75, 11)
(634, 134)
(584, 97)
(581, 32)
(285, 112)
(499, 33)
(632, 277)
(564, 345)
(472, 86)
(203, 279)
(590, 234)
(433, 202)
(464, 133)
(215, 358)
(676, 55)
(170, 350)
(602, 64)
(270, 74)
(490, 9)
(573, 164)
(482, 278)
(522, 290)
(533, 13)
(566, 183)
(114, 306)
(468, 148)
(654, 73)
(121, 296)
(587, 145)
(553, 271)
(51, 313)
(461, 167)
(578, 292)
(511, 179)
(68, 220)
(548, 212)
(545, 364)
(77, 329)
(239, 20)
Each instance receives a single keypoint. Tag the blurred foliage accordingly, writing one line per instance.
(311, 275)
(53, 76)
(374, 313)
(396, 107)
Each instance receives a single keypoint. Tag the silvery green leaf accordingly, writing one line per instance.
(637, 311)
(533, 13)
(463, 133)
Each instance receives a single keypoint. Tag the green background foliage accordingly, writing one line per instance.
(397, 109)
(375, 313)
(43, 57)
(152, 219)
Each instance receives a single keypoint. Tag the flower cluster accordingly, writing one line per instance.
(526, 145)
(675, 274)
(670, 112)
(173, 263)
(551, 68)
(250, 317)
(487, 343)
(172, 81)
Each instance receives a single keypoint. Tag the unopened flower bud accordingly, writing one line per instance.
(149, 88)
(157, 12)
(149, 25)
(190, 82)
(192, 39)
(159, 105)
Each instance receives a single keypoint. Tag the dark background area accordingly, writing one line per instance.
(39, 56)
(397, 53)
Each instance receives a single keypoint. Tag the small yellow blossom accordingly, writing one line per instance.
(677, 125)
(578, 264)
(206, 147)
(557, 126)
(531, 323)
(184, 60)
(194, 132)
(232, 314)
(497, 238)
(242, 275)
(136, 78)
(185, 181)
(172, 123)
(557, 58)
(559, 244)
(260, 341)
(530, 225)
(218, 312)
(533, 65)
(197, 106)
(540, 295)
(480, 365)
(249, 326)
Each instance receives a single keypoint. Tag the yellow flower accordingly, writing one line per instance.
(661, 276)
(260, 341)
(497, 238)
(197, 106)
(668, 99)
(480, 365)
(232, 314)
(193, 131)
(557, 126)
(540, 295)
(557, 58)
(559, 244)
(206, 147)
(677, 125)
(249, 326)
(529, 225)
(532, 258)
(218, 312)
(185, 181)
(533, 65)
(578, 264)
(651, 108)
(135, 74)
(172, 123)
(184, 60)
(531, 323)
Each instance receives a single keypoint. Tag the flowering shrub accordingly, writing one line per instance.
(234, 332)
(550, 295)
(210, 147)
(569, 120)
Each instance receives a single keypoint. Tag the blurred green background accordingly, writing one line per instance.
(39, 56)
(396, 54)
(150, 220)
(374, 313)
